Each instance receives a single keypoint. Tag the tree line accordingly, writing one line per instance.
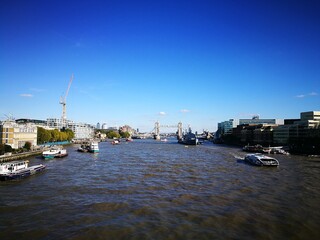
(54, 135)
(111, 134)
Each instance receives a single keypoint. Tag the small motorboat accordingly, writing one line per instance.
(18, 169)
(261, 160)
(54, 153)
(115, 142)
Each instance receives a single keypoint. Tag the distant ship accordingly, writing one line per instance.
(189, 138)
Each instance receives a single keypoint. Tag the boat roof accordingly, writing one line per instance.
(14, 162)
(260, 156)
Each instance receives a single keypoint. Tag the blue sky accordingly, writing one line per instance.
(136, 62)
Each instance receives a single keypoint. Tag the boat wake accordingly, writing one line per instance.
(237, 156)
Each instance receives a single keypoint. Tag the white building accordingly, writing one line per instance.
(81, 130)
(17, 134)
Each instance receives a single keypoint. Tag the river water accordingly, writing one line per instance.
(148, 189)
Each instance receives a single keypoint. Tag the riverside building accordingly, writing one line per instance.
(297, 128)
(271, 131)
(17, 134)
(81, 130)
(227, 127)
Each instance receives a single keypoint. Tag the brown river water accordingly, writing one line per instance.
(148, 189)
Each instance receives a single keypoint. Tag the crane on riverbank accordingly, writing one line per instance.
(63, 101)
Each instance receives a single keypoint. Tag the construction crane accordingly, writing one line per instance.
(63, 101)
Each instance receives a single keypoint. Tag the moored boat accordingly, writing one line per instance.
(54, 153)
(261, 160)
(18, 169)
(278, 150)
(83, 148)
(93, 147)
(189, 138)
(256, 149)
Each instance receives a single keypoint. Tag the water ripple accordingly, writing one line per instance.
(154, 190)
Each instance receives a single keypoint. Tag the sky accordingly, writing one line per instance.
(137, 62)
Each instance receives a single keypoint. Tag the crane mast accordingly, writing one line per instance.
(63, 101)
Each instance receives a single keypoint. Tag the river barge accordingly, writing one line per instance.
(16, 170)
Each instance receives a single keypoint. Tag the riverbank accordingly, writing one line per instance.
(19, 156)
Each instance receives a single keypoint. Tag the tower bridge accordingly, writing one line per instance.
(157, 127)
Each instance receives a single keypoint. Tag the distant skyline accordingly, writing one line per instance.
(137, 62)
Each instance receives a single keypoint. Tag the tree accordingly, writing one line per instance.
(27, 145)
(1, 149)
(4, 148)
(125, 134)
(43, 135)
(54, 135)
(113, 134)
(69, 134)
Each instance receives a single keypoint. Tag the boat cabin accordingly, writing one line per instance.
(14, 166)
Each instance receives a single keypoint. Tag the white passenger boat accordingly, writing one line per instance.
(93, 147)
(18, 169)
(261, 160)
(54, 153)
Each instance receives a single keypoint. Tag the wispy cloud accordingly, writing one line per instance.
(36, 90)
(312, 94)
(162, 113)
(184, 110)
(26, 95)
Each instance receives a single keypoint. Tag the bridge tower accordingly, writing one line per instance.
(156, 135)
(179, 132)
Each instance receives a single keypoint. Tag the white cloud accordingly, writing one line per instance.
(184, 110)
(162, 113)
(26, 95)
(307, 95)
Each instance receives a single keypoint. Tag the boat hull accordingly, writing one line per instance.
(23, 173)
(189, 142)
(94, 151)
(47, 155)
